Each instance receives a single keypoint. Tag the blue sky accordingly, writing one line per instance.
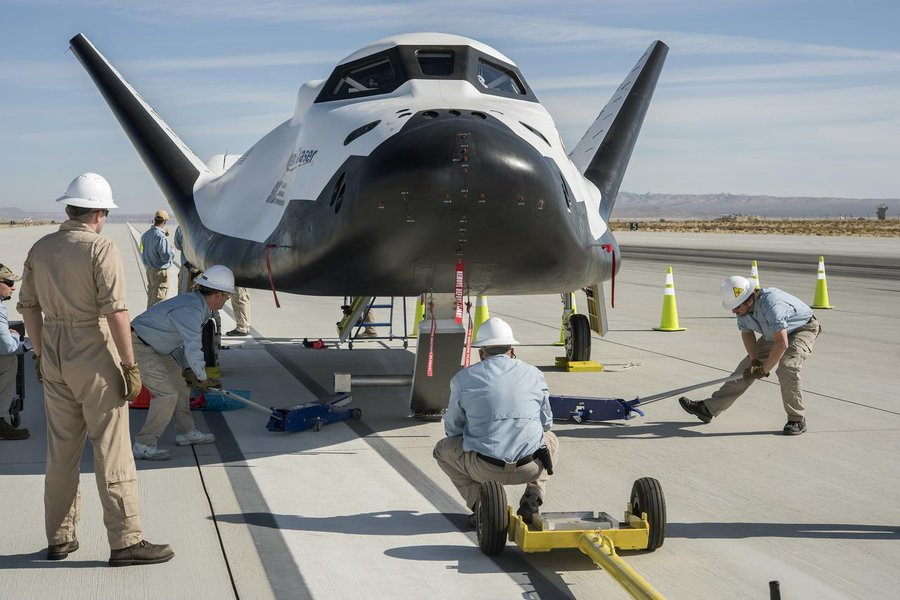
(789, 97)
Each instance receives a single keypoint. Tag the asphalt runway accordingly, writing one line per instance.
(361, 510)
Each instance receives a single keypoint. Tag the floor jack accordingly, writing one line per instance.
(309, 415)
(582, 409)
(595, 534)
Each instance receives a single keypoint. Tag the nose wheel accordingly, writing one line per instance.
(578, 338)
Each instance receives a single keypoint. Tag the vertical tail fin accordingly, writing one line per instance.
(603, 153)
(172, 164)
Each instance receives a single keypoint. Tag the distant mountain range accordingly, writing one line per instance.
(630, 205)
(635, 206)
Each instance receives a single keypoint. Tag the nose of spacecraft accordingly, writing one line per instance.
(455, 182)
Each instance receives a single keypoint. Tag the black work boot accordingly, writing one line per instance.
(142, 553)
(698, 409)
(8, 432)
(794, 427)
(60, 551)
(529, 506)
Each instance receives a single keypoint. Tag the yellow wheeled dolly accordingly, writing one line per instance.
(596, 534)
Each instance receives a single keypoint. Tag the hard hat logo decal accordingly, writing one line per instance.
(737, 292)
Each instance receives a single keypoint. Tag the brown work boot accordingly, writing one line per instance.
(60, 551)
(142, 553)
(8, 432)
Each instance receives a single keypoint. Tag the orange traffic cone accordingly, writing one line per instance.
(669, 320)
(754, 274)
(821, 299)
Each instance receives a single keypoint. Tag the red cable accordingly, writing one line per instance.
(269, 270)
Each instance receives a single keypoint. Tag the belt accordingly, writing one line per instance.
(140, 339)
(502, 463)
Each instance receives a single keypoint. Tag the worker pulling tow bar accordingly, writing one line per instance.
(596, 534)
(584, 409)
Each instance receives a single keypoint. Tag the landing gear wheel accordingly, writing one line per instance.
(647, 497)
(492, 518)
(578, 338)
(356, 414)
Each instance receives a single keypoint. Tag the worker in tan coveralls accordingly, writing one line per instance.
(74, 277)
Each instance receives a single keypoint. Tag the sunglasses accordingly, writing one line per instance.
(8, 282)
(105, 211)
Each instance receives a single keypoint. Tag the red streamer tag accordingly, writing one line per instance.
(430, 365)
(468, 354)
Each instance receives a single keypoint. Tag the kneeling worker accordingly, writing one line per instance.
(498, 423)
(788, 329)
(174, 327)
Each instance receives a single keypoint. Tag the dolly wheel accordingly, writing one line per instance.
(578, 338)
(647, 497)
(492, 518)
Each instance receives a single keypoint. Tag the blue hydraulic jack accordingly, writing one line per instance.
(582, 409)
(309, 415)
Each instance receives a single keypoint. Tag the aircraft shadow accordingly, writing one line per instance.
(827, 531)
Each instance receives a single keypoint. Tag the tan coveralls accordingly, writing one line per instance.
(76, 277)
(240, 302)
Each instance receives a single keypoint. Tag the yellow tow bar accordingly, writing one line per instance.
(601, 550)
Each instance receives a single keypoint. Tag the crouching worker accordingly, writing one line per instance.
(173, 328)
(498, 424)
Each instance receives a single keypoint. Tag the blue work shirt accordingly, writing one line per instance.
(175, 326)
(178, 242)
(9, 343)
(773, 311)
(501, 407)
(155, 250)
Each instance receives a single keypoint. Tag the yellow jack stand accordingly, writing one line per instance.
(578, 366)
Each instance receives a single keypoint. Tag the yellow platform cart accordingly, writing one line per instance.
(596, 534)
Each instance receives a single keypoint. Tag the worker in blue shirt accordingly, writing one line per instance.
(157, 256)
(9, 362)
(787, 331)
(168, 349)
(497, 420)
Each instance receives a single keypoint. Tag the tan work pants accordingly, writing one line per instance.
(800, 345)
(240, 302)
(162, 376)
(157, 286)
(8, 368)
(467, 471)
(83, 390)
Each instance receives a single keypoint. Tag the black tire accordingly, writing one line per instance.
(356, 414)
(578, 338)
(15, 419)
(647, 497)
(492, 518)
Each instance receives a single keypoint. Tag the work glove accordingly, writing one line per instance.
(132, 381)
(209, 383)
(37, 369)
(756, 363)
(754, 372)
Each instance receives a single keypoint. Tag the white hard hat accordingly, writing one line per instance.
(88, 190)
(735, 290)
(217, 277)
(495, 332)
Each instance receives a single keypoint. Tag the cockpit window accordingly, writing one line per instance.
(496, 78)
(437, 63)
(371, 77)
